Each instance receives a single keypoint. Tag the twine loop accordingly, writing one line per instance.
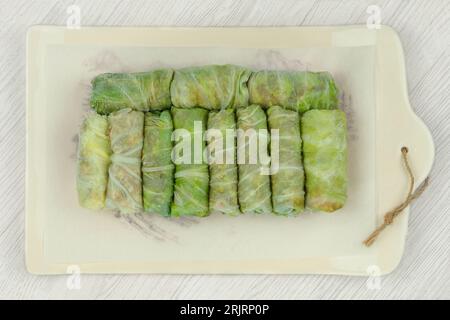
(392, 214)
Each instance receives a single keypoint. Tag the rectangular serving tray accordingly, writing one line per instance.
(369, 66)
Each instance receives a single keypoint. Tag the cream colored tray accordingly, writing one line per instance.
(369, 68)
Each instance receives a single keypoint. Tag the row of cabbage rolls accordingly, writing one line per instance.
(124, 156)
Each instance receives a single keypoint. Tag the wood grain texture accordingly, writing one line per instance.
(423, 26)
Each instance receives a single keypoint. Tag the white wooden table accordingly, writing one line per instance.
(423, 27)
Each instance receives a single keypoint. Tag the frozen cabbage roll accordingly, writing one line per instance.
(124, 192)
(325, 159)
(212, 87)
(222, 162)
(94, 153)
(294, 90)
(143, 91)
(253, 186)
(191, 171)
(288, 196)
(157, 167)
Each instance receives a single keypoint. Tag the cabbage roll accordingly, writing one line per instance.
(288, 182)
(124, 192)
(294, 90)
(144, 91)
(253, 186)
(94, 151)
(213, 87)
(222, 166)
(191, 176)
(157, 167)
(325, 159)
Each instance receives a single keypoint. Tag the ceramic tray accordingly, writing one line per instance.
(369, 68)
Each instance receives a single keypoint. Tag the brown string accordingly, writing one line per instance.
(392, 214)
